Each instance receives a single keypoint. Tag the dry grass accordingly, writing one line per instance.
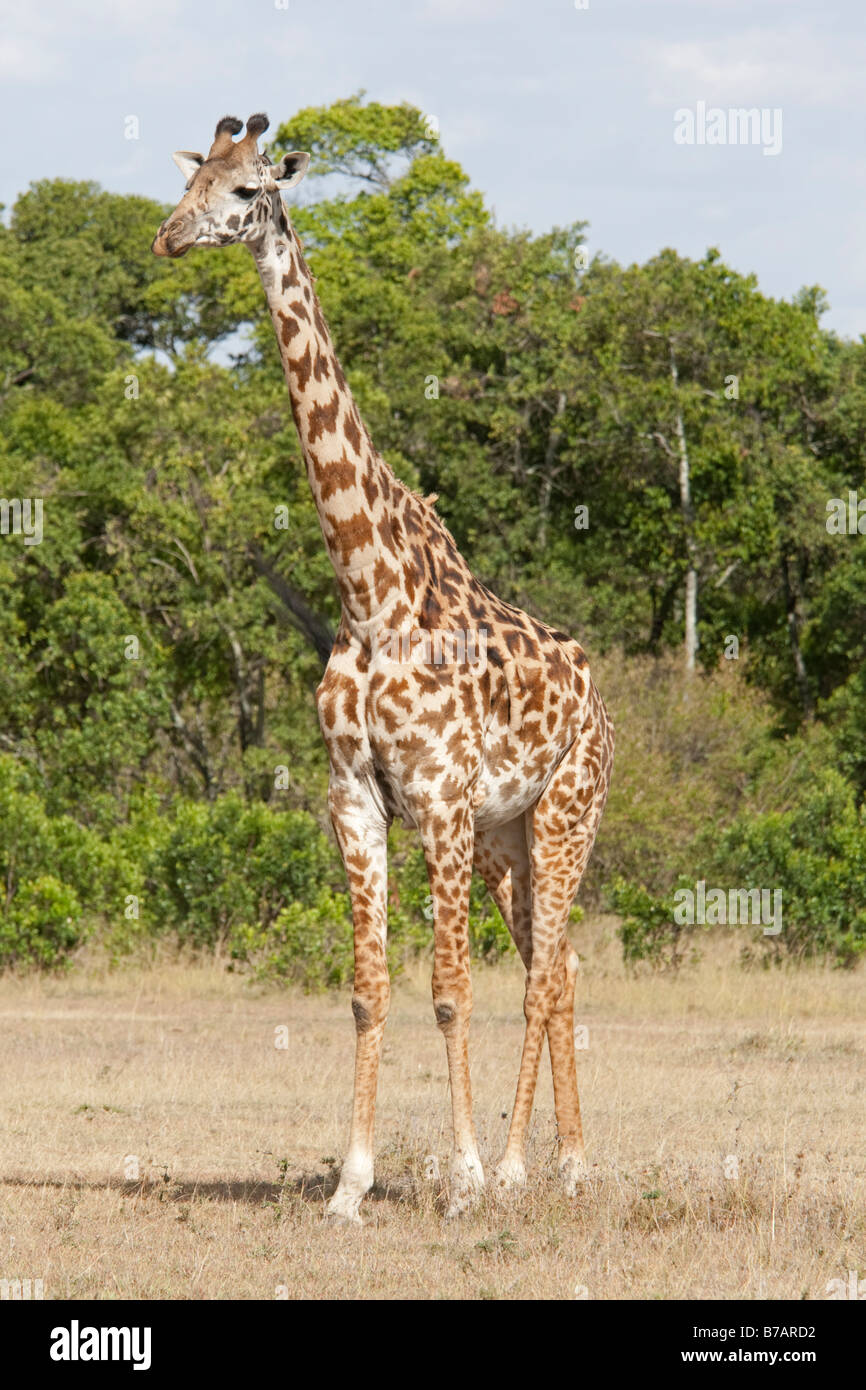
(238, 1141)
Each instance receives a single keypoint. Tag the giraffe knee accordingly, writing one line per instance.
(451, 1016)
(370, 1008)
(562, 976)
(452, 1007)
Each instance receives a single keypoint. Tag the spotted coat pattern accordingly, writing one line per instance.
(502, 762)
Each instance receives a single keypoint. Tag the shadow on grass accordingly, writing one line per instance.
(313, 1188)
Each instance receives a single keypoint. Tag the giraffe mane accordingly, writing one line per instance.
(435, 525)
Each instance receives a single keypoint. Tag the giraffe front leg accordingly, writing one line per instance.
(447, 837)
(362, 834)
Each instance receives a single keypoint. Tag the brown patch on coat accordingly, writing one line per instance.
(323, 418)
(301, 366)
(352, 433)
(337, 477)
(352, 533)
(290, 328)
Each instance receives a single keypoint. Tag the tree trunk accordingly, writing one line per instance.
(794, 616)
(553, 439)
(691, 605)
(315, 629)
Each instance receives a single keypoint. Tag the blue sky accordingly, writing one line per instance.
(556, 111)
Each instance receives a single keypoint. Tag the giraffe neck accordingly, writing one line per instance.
(354, 489)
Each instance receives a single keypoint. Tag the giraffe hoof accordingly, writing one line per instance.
(510, 1173)
(467, 1184)
(341, 1218)
(573, 1173)
(461, 1203)
(465, 1196)
(343, 1210)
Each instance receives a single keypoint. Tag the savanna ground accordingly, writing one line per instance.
(723, 1111)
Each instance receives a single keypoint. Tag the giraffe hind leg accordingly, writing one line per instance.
(561, 831)
(533, 870)
(503, 860)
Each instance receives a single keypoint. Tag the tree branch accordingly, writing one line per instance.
(314, 628)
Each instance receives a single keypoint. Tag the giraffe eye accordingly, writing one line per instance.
(246, 193)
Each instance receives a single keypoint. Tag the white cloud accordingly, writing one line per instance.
(25, 59)
(106, 15)
(36, 43)
(758, 66)
(449, 11)
(27, 53)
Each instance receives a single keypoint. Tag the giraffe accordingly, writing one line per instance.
(497, 749)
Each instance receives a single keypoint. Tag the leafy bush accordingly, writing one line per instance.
(687, 754)
(228, 863)
(649, 931)
(267, 884)
(44, 863)
(813, 854)
(41, 925)
(309, 944)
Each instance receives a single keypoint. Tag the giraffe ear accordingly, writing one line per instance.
(290, 169)
(188, 163)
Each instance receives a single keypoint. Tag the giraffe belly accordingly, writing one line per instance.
(497, 799)
(502, 780)
(507, 795)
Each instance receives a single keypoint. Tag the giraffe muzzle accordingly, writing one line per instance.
(164, 244)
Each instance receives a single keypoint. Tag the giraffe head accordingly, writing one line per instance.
(229, 195)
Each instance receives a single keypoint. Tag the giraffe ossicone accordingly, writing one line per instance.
(502, 763)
